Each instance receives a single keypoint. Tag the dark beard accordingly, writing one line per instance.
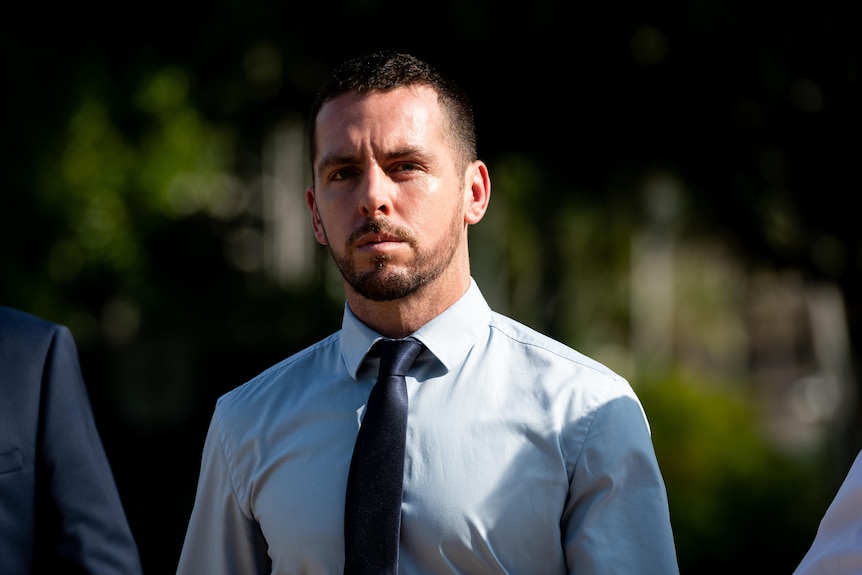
(382, 283)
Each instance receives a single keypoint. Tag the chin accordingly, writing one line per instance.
(386, 284)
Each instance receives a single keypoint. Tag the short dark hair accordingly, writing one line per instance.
(386, 70)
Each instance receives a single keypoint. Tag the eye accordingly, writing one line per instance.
(342, 174)
(407, 167)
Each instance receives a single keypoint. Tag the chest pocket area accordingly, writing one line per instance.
(11, 461)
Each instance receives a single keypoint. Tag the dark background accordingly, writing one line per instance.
(754, 106)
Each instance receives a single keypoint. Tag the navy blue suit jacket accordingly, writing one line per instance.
(60, 511)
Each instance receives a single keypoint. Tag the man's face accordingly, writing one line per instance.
(388, 197)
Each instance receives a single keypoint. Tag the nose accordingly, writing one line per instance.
(375, 193)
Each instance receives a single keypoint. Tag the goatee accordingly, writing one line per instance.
(384, 282)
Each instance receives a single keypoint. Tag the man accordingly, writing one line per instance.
(837, 547)
(59, 507)
(521, 455)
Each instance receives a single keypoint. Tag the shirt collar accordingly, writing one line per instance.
(448, 337)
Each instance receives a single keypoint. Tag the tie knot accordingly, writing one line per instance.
(397, 355)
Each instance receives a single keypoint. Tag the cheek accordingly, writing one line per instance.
(328, 225)
(438, 220)
(436, 203)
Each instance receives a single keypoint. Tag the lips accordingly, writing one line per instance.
(375, 239)
(376, 232)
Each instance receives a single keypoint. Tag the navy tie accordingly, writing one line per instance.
(372, 512)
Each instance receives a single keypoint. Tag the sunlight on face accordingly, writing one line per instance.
(388, 192)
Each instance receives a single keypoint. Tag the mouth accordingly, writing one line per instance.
(378, 235)
(377, 241)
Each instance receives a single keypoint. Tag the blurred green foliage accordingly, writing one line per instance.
(733, 495)
(108, 191)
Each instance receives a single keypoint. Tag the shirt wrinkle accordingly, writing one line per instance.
(586, 423)
(245, 508)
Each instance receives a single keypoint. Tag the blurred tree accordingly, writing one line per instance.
(730, 492)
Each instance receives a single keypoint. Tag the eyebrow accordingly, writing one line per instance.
(333, 160)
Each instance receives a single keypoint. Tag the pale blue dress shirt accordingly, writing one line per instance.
(837, 546)
(523, 457)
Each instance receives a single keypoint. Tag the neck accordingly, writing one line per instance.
(400, 318)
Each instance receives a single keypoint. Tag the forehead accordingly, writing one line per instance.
(396, 117)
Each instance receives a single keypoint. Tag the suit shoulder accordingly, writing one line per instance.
(22, 332)
(17, 321)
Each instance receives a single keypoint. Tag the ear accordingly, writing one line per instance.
(316, 224)
(478, 192)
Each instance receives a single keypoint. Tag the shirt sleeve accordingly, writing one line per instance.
(221, 538)
(617, 519)
(837, 547)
